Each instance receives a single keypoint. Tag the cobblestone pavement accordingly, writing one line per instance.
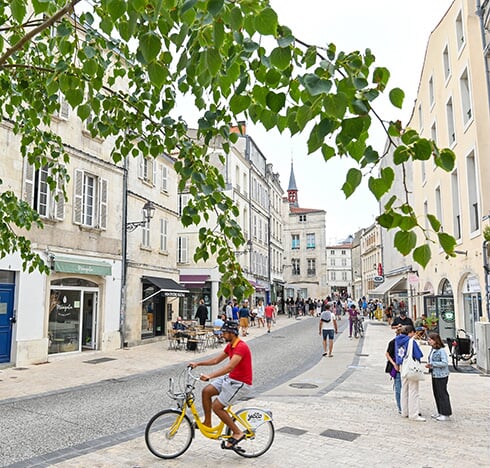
(342, 414)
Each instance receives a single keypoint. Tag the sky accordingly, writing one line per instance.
(397, 33)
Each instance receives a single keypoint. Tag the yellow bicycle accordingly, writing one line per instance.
(170, 432)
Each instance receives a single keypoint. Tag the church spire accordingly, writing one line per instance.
(292, 189)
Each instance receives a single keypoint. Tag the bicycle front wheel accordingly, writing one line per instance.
(162, 436)
(455, 356)
(262, 438)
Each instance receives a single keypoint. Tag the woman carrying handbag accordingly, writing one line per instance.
(408, 354)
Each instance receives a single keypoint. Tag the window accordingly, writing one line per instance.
(260, 230)
(344, 262)
(438, 204)
(344, 276)
(164, 178)
(473, 207)
(431, 91)
(302, 218)
(433, 132)
(459, 31)
(147, 169)
(464, 85)
(332, 252)
(310, 241)
(332, 262)
(64, 110)
(245, 184)
(450, 122)
(446, 63)
(163, 234)
(38, 195)
(183, 200)
(295, 241)
(342, 252)
(295, 266)
(145, 235)
(90, 200)
(311, 266)
(456, 209)
(182, 249)
(421, 120)
(333, 276)
(237, 178)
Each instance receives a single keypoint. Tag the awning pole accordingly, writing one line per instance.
(149, 297)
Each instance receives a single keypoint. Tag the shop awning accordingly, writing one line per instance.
(257, 286)
(82, 266)
(194, 281)
(168, 287)
(398, 283)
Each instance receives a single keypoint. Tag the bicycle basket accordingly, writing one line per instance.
(464, 345)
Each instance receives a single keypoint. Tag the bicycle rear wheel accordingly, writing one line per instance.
(455, 356)
(361, 330)
(163, 439)
(263, 434)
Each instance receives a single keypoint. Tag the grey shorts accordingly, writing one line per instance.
(230, 390)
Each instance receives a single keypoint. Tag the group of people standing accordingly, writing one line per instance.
(407, 389)
(246, 317)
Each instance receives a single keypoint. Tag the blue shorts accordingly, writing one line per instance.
(230, 390)
(329, 333)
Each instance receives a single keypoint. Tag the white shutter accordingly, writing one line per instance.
(78, 197)
(103, 203)
(59, 208)
(64, 108)
(185, 248)
(29, 175)
(164, 177)
(141, 163)
(154, 172)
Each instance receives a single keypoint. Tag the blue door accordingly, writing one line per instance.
(6, 318)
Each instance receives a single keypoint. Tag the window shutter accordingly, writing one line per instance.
(29, 183)
(78, 197)
(103, 203)
(64, 108)
(164, 179)
(154, 172)
(141, 162)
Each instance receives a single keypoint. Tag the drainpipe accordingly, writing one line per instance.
(486, 269)
(124, 248)
(486, 50)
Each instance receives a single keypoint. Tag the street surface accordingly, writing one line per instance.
(326, 411)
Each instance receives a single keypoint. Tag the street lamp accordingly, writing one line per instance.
(247, 249)
(148, 212)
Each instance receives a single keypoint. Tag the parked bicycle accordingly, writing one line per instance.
(170, 432)
(359, 327)
(461, 347)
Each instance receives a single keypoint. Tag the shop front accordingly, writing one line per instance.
(73, 314)
(441, 308)
(160, 297)
(199, 287)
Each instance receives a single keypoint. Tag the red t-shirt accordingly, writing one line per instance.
(269, 311)
(243, 371)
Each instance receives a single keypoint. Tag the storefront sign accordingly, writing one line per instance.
(82, 266)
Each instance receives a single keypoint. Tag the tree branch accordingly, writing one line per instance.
(29, 36)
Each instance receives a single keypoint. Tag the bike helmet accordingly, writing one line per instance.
(230, 326)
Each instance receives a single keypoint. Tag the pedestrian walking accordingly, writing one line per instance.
(439, 368)
(202, 313)
(327, 328)
(269, 316)
(244, 317)
(260, 313)
(393, 369)
(410, 405)
(353, 315)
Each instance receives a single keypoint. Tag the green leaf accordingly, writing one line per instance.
(405, 241)
(422, 255)
(215, 6)
(409, 136)
(281, 57)
(239, 103)
(275, 101)
(40, 6)
(149, 46)
(447, 242)
(401, 154)
(157, 74)
(18, 9)
(316, 85)
(266, 22)
(236, 19)
(116, 9)
(422, 149)
(327, 152)
(380, 77)
(434, 222)
(188, 4)
(446, 159)
(396, 97)
(213, 61)
(74, 96)
(353, 179)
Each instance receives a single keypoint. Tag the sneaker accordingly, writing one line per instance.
(418, 419)
(441, 417)
(330, 355)
(324, 354)
(435, 416)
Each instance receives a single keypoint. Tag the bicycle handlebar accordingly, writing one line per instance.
(191, 375)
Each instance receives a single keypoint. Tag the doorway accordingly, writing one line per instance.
(6, 320)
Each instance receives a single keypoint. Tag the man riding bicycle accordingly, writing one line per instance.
(234, 381)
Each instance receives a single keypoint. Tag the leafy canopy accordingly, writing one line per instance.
(120, 66)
